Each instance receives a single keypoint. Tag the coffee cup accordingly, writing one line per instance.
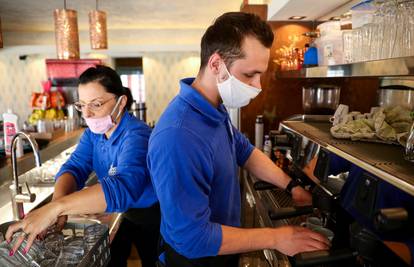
(312, 222)
(325, 232)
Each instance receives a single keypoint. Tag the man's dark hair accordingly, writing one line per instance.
(227, 34)
(109, 79)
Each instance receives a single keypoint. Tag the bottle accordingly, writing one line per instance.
(267, 147)
(10, 128)
(142, 112)
(310, 58)
(258, 135)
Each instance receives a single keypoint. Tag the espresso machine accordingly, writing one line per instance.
(350, 198)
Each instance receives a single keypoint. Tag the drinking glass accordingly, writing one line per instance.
(70, 256)
(357, 44)
(409, 147)
(347, 45)
(92, 234)
(54, 242)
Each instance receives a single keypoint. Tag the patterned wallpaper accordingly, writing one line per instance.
(18, 78)
(162, 72)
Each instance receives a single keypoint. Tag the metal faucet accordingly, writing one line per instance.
(18, 198)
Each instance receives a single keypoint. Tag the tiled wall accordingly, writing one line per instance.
(162, 72)
(18, 78)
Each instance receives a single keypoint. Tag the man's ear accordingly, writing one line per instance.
(214, 63)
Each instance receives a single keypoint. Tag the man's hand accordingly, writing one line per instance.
(291, 240)
(301, 197)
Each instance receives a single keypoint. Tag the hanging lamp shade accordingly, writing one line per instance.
(97, 29)
(66, 33)
(1, 36)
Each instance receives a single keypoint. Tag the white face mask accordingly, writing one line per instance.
(235, 93)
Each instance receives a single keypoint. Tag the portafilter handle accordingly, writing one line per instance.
(289, 212)
(261, 185)
(320, 257)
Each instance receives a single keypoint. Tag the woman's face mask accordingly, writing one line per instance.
(103, 124)
(235, 93)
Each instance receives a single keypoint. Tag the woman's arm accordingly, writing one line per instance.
(65, 185)
(89, 200)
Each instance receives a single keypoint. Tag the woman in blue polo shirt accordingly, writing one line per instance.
(115, 148)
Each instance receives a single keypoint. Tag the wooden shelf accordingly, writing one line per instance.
(378, 68)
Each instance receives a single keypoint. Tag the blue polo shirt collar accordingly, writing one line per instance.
(190, 95)
(119, 129)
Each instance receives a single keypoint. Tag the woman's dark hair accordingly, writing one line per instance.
(226, 35)
(109, 79)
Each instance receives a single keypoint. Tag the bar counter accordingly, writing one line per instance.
(59, 142)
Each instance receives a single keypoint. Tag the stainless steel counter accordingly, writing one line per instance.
(383, 160)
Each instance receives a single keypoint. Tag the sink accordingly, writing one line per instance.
(43, 191)
(4, 226)
(43, 196)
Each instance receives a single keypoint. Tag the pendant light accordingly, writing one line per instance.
(1, 37)
(66, 33)
(97, 29)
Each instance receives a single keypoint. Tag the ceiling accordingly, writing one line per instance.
(133, 25)
(312, 9)
(137, 26)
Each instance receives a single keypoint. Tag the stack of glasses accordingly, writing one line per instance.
(390, 34)
(92, 234)
(55, 250)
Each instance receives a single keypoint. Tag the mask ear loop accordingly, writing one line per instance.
(227, 71)
(119, 111)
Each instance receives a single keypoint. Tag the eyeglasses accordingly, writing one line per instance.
(92, 106)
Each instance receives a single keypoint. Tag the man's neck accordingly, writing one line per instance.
(208, 89)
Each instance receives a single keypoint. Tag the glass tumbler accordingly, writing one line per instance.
(409, 147)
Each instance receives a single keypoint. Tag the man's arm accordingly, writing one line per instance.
(263, 168)
(289, 240)
(259, 165)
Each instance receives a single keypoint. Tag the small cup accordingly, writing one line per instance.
(312, 223)
(325, 232)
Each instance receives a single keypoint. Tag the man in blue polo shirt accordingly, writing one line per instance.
(194, 154)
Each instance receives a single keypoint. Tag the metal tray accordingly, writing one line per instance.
(383, 160)
(98, 256)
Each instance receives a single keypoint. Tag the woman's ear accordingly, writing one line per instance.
(124, 100)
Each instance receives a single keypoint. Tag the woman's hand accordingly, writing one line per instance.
(59, 225)
(33, 224)
(61, 220)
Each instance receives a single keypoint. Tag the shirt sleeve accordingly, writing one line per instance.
(181, 170)
(125, 188)
(80, 162)
(243, 147)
